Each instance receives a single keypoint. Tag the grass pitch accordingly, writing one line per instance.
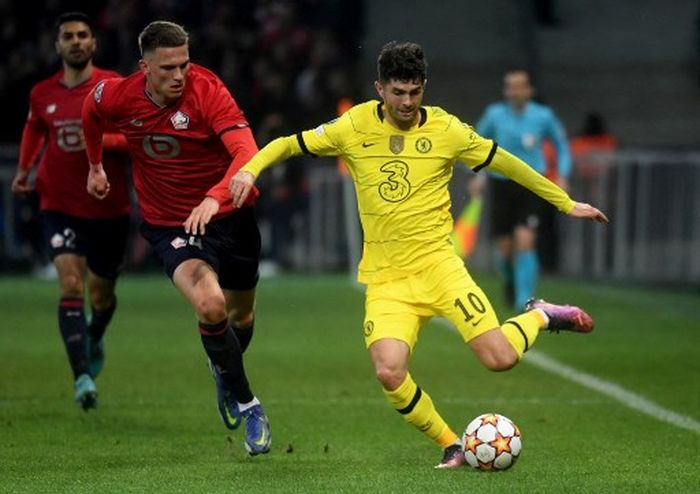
(156, 428)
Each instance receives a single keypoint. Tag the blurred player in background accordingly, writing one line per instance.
(86, 238)
(401, 156)
(187, 137)
(519, 125)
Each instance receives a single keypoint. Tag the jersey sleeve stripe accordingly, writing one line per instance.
(488, 158)
(232, 127)
(302, 145)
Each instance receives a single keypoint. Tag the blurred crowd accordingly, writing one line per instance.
(287, 63)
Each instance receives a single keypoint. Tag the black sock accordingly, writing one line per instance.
(71, 321)
(244, 335)
(99, 321)
(224, 351)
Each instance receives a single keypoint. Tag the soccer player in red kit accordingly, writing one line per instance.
(187, 137)
(86, 238)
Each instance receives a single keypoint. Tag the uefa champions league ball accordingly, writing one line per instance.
(491, 442)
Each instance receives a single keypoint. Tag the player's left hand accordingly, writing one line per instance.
(240, 187)
(200, 216)
(583, 210)
(97, 183)
(20, 184)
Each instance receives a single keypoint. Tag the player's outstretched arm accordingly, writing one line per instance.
(583, 210)
(507, 164)
(274, 152)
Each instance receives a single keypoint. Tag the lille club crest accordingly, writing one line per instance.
(180, 121)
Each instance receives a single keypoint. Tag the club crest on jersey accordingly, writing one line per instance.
(423, 145)
(51, 108)
(180, 121)
(99, 89)
(396, 144)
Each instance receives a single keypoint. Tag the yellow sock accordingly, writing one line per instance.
(521, 331)
(417, 409)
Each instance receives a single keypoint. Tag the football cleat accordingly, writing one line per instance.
(257, 430)
(85, 392)
(562, 317)
(452, 457)
(225, 401)
(96, 357)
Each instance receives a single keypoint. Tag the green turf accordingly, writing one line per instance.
(156, 428)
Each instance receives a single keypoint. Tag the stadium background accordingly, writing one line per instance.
(289, 64)
(615, 411)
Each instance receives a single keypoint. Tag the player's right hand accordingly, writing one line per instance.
(97, 183)
(196, 222)
(240, 187)
(20, 184)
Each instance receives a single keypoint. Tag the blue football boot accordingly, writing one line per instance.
(257, 430)
(225, 401)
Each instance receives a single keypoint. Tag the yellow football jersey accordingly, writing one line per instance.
(401, 180)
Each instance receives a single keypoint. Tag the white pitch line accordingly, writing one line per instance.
(615, 391)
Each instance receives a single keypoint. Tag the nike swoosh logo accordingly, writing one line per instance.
(368, 144)
(263, 438)
(231, 418)
(477, 321)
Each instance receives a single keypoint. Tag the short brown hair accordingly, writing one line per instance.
(402, 62)
(162, 34)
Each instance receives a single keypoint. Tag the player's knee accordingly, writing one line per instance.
(211, 309)
(390, 377)
(71, 285)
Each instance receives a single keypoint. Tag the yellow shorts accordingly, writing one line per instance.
(399, 308)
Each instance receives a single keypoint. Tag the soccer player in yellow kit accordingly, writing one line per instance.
(401, 155)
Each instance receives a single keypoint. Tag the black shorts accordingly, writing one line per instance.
(101, 241)
(231, 246)
(513, 205)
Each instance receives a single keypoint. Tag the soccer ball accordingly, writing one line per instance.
(491, 442)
